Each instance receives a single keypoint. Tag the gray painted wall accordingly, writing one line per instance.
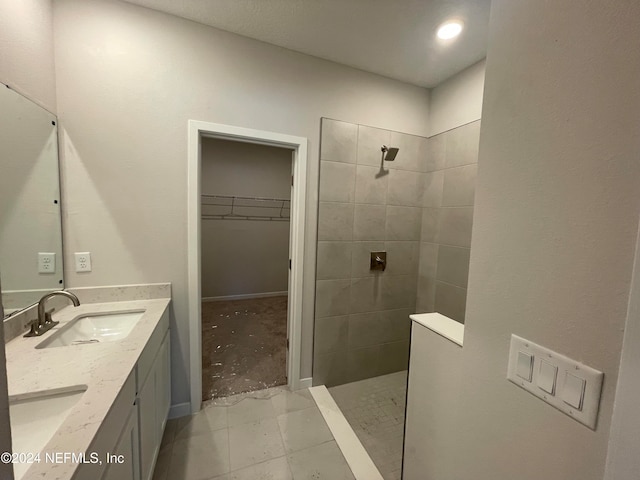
(623, 462)
(26, 50)
(554, 236)
(362, 325)
(129, 79)
(242, 257)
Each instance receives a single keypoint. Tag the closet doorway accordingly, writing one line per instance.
(246, 222)
(245, 213)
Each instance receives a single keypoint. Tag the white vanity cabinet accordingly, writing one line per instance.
(154, 397)
(127, 448)
(135, 423)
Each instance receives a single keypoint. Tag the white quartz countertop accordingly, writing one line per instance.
(443, 326)
(102, 367)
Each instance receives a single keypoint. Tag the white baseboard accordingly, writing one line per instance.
(245, 296)
(305, 383)
(180, 410)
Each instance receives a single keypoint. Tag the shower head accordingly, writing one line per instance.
(389, 153)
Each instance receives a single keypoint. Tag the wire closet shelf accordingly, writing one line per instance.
(226, 207)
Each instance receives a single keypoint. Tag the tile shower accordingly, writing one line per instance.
(362, 317)
(420, 213)
(447, 219)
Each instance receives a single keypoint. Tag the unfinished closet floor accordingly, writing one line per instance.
(244, 346)
(375, 410)
(271, 434)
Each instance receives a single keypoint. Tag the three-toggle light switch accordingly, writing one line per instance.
(567, 385)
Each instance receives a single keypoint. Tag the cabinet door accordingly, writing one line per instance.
(125, 461)
(163, 385)
(153, 406)
(147, 405)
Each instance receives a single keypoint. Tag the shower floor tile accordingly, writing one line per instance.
(244, 346)
(375, 409)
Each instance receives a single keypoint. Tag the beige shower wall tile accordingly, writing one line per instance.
(454, 226)
(334, 260)
(337, 181)
(436, 151)
(371, 188)
(413, 152)
(453, 265)
(335, 221)
(329, 369)
(462, 145)
(373, 328)
(369, 222)
(426, 288)
(451, 301)
(406, 188)
(430, 224)
(402, 257)
(332, 297)
(366, 295)
(363, 363)
(398, 291)
(370, 141)
(403, 223)
(459, 186)
(330, 334)
(396, 357)
(433, 188)
(338, 141)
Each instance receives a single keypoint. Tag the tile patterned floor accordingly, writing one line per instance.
(375, 410)
(271, 434)
(244, 345)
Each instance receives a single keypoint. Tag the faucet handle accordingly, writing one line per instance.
(47, 315)
(33, 331)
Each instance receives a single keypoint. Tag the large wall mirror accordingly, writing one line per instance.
(30, 220)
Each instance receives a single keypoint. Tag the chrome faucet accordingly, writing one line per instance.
(44, 323)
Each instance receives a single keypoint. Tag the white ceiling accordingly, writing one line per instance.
(393, 38)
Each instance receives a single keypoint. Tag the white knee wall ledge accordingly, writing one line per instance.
(443, 326)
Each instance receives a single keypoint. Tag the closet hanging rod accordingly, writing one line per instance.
(238, 197)
(244, 208)
(242, 217)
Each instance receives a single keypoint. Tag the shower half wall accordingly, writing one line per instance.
(362, 322)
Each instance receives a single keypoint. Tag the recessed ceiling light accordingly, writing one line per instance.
(449, 29)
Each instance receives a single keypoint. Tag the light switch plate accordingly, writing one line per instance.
(564, 395)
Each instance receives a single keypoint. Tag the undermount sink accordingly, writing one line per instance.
(94, 328)
(35, 417)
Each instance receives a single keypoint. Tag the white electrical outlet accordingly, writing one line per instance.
(46, 262)
(83, 262)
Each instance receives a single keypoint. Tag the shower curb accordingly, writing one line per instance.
(354, 453)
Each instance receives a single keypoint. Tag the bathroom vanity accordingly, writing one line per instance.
(89, 401)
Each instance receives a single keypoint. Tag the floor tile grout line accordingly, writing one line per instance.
(284, 447)
(352, 449)
(228, 444)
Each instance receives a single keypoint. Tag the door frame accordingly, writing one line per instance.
(196, 130)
